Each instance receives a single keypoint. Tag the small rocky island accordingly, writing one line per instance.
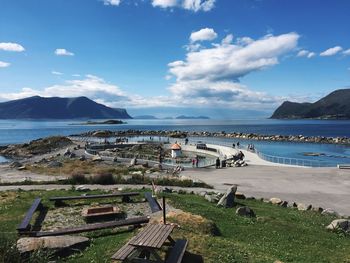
(108, 122)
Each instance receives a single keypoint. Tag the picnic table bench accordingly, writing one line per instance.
(148, 241)
(125, 197)
(153, 203)
(25, 224)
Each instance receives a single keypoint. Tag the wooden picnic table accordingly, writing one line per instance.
(147, 242)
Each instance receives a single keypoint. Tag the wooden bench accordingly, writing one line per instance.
(93, 227)
(125, 197)
(25, 224)
(153, 203)
(343, 166)
(177, 252)
(124, 252)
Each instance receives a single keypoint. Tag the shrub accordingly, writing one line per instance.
(104, 179)
(78, 178)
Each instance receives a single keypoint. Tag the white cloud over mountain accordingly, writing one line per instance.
(63, 52)
(331, 51)
(14, 47)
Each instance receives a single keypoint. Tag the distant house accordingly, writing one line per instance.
(176, 150)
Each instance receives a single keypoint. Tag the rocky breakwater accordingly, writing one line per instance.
(234, 135)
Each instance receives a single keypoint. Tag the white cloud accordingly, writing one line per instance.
(203, 35)
(4, 64)
(233, 61)
(165, 3)
(227, 40)
(63, 52)
(306, 53)
(193, 5)
(11, 47)
(111, 2)
(210, 76)
(56, 72)
(346, 52)
(331, 51)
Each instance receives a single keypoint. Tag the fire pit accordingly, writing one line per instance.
(102, 213)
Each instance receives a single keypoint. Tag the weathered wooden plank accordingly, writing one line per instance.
(123, 252)
(63, 198)
(25, 224)
(93, 227)
(153, 203)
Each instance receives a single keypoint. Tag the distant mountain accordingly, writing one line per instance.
(336, 105)
(58, 108)
(184, 117)
(145, 117)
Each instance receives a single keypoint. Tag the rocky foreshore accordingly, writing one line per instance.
(235, 135)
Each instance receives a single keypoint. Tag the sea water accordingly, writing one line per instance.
(20, 131)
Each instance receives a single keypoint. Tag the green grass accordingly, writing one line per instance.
(276, 234)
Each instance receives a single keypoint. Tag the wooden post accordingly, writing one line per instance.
(164, 212)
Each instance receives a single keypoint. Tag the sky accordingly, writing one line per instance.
(161, 57)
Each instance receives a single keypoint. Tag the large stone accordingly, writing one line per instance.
(329, 211)
(245, 211)
(97, 158)
(59, 244)
(229, 198)
(211, 198)
(303, 207)
(15, 165)
(133, 161)
(275, 201)
(339, 224)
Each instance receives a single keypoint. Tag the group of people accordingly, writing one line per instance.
(195, 162)
(234, 145)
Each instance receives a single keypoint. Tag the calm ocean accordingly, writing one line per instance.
(16, 131)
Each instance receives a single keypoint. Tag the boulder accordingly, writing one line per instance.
(284, 204)
(15, 165)
(329, 211)
(211, 198)
(303, 207)
(59, 244)
(133, 161)
(82, 188)
(245, 211)
(340, 224)
(67, 152)
(97, 158)
(317, 209)
(275, 201)
(229, 198)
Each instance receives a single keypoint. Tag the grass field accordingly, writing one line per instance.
(277, 233)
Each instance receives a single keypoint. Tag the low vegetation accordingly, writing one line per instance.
(216, 234)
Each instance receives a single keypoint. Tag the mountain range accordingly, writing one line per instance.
(335, 105)
(58, 108)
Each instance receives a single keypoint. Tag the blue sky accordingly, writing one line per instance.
(155, 55)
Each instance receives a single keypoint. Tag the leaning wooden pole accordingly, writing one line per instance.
(164, 211)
